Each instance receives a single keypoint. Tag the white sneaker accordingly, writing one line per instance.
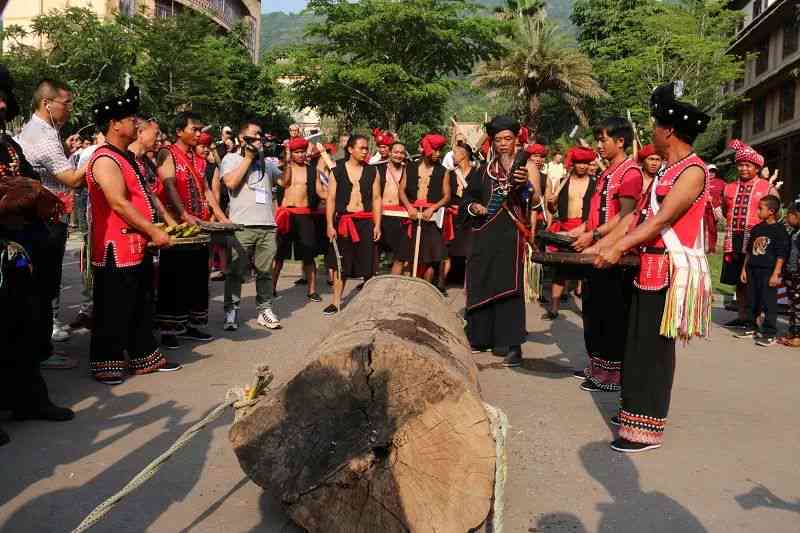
(231, 320)
(60, 334)
(268, 319)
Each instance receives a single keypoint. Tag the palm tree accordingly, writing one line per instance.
(538, 60)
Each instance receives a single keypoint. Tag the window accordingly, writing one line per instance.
(790, 36)
(760, 115)
(787, 101)
(762, 61)
(756, 8)
(736, 128)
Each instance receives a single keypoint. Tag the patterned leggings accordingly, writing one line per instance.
(792, 282)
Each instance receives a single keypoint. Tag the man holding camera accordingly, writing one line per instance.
(249, 179)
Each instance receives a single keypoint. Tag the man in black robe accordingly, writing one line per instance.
(496, 205)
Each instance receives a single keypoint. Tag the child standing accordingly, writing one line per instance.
(767, 251)
(791, 277)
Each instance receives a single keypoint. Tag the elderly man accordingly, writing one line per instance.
(40, 141)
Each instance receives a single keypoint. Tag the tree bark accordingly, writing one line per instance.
(534, 112)
(385, 430)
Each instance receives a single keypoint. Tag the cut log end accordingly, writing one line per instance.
(384, 431)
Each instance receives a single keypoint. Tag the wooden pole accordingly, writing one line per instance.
(416, 245)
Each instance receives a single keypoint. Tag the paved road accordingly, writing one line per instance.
(729, 465)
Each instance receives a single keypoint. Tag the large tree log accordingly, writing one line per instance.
(385, 430)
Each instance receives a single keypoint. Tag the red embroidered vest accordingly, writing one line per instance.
(605, 201)
(190, 183)
(107, 227)
(655, 262)
(741, 205)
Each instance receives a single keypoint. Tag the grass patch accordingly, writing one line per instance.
(715, 263)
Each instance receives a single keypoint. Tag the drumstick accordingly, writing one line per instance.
(416, 245)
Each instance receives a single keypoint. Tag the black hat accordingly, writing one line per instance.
(668, 110)
(502, 123)
(118, 107)
(7, 86)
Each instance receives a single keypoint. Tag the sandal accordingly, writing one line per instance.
(58, 361)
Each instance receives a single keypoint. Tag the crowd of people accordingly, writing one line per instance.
(470, 209)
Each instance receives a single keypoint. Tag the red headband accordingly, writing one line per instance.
(432, 142)
(522, 136)
(205, 139)
(579, 154)
(297, 143)
(646, 152)
(536, 149)
(382, 138)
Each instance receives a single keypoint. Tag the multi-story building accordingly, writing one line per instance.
(226, 13)
(769, 117)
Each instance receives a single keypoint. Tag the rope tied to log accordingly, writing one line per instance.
(238, 398)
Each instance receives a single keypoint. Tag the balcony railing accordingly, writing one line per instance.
(228, 11)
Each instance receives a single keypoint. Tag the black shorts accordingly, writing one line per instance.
(358, 258)
(301, 241)
(394, 238)
(431, 246)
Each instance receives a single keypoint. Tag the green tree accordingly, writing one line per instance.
(385, 62)
(646, 43)
(539, 60)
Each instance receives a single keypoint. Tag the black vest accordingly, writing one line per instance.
(311, 189)
(563, 200)
(344, 188)
(435, 187)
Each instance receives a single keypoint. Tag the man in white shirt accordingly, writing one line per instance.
(555, 170)
(250, 186)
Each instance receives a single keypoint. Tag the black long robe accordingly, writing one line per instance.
(494, 278)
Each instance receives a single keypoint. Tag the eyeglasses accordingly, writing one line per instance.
(66, 103)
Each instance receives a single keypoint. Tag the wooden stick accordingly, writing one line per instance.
(416, 246)
(571, 258)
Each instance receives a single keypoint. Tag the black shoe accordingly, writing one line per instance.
(111, 380)
(589, 386)
(480, 349)
(500, 351)
(360, 286)
(514, 357)
(736, 323)
(50, 412)
(314, 297)
(550, 315)
(579, 374)
(170, 367)
(301, 281)
(4, 438)
(196, 335)
(626, 446)
(443, 290)
(170, 341)
(615, 421)
(330, 310)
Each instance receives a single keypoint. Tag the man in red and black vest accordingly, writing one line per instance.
(122, 226)
(740, 208)
(606, 292)
(183, 272)
(297, 217)
(671, 224)
(426, 188)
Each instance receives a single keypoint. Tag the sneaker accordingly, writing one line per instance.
(766, 341)
(58, 361)
(195, 334)
(514, 358)
(615, 421)
(480, 349)
(231, 320)
(60, 334)
(360, 286)
(579, 374)
(550, 315)
(500, 351)
(170, 341)
(217, 275)
(82, 321)
(736, 323)
(170, 367)
(330, 310)
(314, 297)
(626, 446)
(589, 386)
(110, 380)
(268, 319)
(746, 334)
(301, 281)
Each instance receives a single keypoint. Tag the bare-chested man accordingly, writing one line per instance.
(394, 234)
(297, 234)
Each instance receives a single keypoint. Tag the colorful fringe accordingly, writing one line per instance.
(687, 310)
(532, 276)
(640, 428)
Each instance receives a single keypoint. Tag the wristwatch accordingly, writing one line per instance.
(596, 235)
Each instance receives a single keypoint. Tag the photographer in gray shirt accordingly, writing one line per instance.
(249, 179)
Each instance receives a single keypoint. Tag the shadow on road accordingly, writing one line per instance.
(761, 496)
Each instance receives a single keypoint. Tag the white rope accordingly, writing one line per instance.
(237, 398)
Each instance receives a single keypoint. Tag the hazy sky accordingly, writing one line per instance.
(290, 6)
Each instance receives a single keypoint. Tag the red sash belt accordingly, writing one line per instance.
(283, 217)
(448, 227)
(566, 224)
(347, 225)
